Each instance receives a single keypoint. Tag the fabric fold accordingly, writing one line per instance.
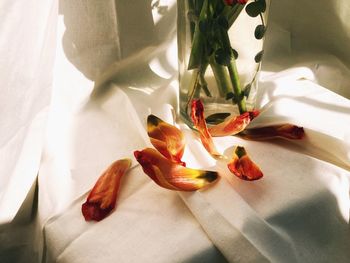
(323, 114)
(246, 221)
(224, 236)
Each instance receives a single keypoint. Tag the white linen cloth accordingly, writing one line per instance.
(26, 76)
(27, 48)
(299, 212)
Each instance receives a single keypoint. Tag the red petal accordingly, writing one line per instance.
(243, 167)
(233, 125)
(166, 138)
(171, 175)
(287, 131)
(197, 115)
(102, 198)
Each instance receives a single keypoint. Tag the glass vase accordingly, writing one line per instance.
(220, 48)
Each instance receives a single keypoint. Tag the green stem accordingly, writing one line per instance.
(197, 56)
(203, 83)
(221, 77)
(240, 99)
(191, 8)
(232, 69)
(198, 61)
(193, 84)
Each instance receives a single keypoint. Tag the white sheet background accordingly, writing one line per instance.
(133, 45)
(27, 48)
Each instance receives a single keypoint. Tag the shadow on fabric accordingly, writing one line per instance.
(317, 223)
(312, 34)
(117, 39)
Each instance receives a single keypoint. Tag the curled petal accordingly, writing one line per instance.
(103, 196)
(166, 138)
(197, 115)
(288, 131)
(171, 175)
(243, 167)
(233, 125)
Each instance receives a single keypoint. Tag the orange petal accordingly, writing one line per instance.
(166, 138)
(243, 167)
(103, 196)
(233, 125)
(197, 115)
(171, 175)
(288, 131)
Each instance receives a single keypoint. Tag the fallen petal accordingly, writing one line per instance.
(233, 125)
(103, 196)
(166, 138)
(243, 167)
(217, 118)
(197, 115)
(288, 131)
(171, 175)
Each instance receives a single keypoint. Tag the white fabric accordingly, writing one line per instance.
(287, 213)
(299, 212)
(27, 46)
(27, 53)
(313, 35)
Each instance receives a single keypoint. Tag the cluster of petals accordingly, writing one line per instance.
(240, 165)
(164, 164)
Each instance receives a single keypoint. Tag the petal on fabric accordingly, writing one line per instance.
(288, 131)
(103, 196)
(243, 167)
(170, 175)
(197, 115)
(233, 125)
(166, 138)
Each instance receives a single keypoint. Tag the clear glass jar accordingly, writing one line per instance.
(220, 48)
